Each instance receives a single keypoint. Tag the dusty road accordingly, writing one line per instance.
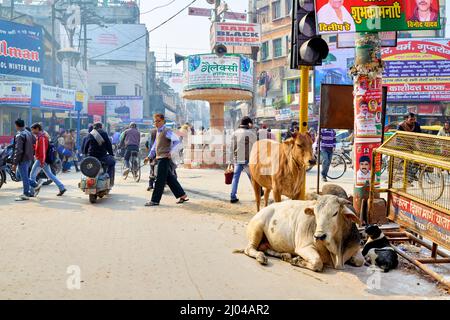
(126, 251)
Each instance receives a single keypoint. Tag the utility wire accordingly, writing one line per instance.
(144, 35)
(159, 7)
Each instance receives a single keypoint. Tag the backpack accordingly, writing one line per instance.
(52, 154)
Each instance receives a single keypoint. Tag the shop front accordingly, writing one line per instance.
(428, 114)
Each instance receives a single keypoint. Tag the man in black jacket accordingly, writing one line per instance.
(98, 145)
(23, 157)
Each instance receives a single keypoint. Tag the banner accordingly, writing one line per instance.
(210, 71)
(21, 50)
(57, 98)
(123, 109)
(15, 92)
(368, 108)
(417, 70)
(236, 34)
(363, 163)
(337, 16)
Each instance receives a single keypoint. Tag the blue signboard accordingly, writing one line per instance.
(21, 50)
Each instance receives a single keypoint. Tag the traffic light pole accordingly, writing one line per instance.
(303, 112)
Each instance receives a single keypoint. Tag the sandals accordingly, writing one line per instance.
(182, 200)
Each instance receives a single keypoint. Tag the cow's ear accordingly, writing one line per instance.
(344, 202)
(349, 214)
(309, 211)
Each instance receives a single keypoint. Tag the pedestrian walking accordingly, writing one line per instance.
(149, 144)
(242, 141)
(327, 147)
(23, 156)
(162, 149)
(42, 162)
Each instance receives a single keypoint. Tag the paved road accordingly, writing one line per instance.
(124, 250)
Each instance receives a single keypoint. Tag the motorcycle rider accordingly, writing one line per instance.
(40, 151)
(131, 139)
(98, 145)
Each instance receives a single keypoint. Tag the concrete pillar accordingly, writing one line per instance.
(217, 116)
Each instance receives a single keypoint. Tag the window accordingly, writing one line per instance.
(108, 90)
(265, 51)
(137, 90)
(277, 48)
(288, 7)
(276, 10)
(293, 86)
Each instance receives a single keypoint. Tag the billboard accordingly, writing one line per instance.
(123, 109)
(418, 70)
(236, 34)
(57, 98)
(337, 16)
(21, 50)
(112, 42)
(210, 71)
(15, 92)
(334, 69)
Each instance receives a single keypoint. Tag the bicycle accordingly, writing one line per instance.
(135, 166)
(338, 165)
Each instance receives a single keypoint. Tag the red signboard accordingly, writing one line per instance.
(428, 222)
(96, 108)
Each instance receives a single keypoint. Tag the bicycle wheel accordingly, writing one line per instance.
(338, 167)
(431, 183)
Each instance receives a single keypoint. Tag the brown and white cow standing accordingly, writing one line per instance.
(307, 234)
(280, 167)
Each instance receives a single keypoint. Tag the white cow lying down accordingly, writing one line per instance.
(307, 234)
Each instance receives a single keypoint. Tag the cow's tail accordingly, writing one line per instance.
(242, 251)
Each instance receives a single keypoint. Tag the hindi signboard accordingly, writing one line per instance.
(337, 16)
(417, 70)
(236, 34)
(57, 98)
(428, 222)
(210, 71)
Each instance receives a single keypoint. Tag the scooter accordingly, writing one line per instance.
(95, 181)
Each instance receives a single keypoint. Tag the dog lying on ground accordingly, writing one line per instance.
(378, 251)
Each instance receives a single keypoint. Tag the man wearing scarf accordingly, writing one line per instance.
(98, 145)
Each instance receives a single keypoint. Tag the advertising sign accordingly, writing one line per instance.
(123, 109)
(113, 42)
(336, 16)
(418, 70)
(210, 71)
(235, 16)
(15, 92)
(363, 163)
(428, 222)
(236, 34)
(201, 12)
(334, 69)
(57, 98)
(368, 108)
(21, 50)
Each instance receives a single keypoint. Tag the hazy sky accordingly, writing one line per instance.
(184, 34)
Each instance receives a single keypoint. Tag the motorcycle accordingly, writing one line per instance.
(6, 168)
(95, 181)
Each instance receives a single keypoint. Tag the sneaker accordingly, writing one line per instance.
(38, 188)
(22, 198)
(60, 194)
(324, 179)
(234, 200)
(151, 204)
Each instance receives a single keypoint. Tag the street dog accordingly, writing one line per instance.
(378, 251)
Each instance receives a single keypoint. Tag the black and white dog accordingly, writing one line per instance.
(378, 251)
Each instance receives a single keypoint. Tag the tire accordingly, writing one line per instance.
(338, 167)
(93, 198)
(2, 178)
(431, 183)
(136, 169)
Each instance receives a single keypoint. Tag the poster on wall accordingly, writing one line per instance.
(363, 163)
(368, 108)
(338, 16)
(123, 109)
(15, 92)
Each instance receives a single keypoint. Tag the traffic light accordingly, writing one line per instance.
(307, 48)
